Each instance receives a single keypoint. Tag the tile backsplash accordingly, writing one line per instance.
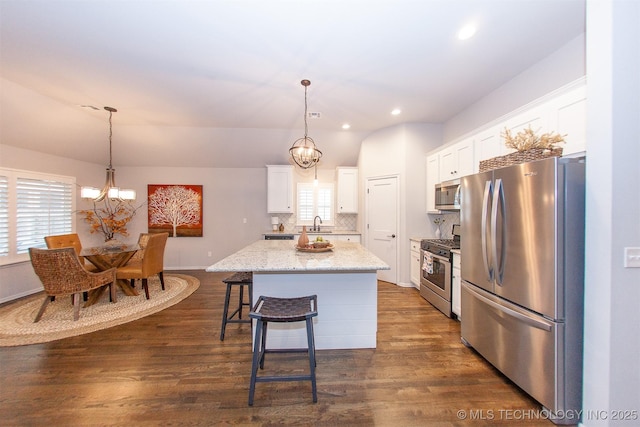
(346, 222)
(446, 227)
(343, 222)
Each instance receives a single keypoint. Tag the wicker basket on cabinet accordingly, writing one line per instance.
(518, 157)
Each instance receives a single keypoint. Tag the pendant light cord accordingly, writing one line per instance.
(305, 111)
(110, 135)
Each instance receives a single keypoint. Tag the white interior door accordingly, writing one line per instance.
(382, 223)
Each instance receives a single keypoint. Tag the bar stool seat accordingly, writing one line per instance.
(270, 309)
(240, 279)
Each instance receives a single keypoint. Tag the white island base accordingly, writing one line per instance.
(347, 308)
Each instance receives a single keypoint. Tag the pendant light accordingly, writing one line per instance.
(304, 151)
(110, 190)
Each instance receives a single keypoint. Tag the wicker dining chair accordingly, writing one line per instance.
(151, 263)
(61, 273)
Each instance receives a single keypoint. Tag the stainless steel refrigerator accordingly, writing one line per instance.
(522, 252)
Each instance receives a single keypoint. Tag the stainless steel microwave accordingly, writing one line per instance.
(448, 195)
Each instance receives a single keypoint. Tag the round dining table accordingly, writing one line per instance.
(106, 257)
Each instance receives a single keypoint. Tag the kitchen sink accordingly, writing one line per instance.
(319, 232)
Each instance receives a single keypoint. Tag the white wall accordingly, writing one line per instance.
(401, 150)
(564, 66)
(612, 292)
(229, 196)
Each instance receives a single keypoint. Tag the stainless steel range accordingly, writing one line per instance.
(436, 269)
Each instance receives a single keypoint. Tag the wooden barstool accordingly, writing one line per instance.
(269, 309)
(240, 279)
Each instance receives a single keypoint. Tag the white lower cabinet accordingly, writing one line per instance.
(330, 236)
(348, 238)
(415, 262)
(455, 287)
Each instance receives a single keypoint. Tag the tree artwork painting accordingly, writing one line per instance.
(176, 209)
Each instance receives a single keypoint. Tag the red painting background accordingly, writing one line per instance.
(192, 230)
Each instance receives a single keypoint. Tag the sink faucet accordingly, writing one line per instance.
(316, 227)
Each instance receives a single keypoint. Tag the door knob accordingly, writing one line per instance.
(393, 236)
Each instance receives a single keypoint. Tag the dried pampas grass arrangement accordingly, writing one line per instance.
(527, 139)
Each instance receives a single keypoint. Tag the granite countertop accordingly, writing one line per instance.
(282, 256)
(323, 233)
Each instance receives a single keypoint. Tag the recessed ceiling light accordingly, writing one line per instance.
(346, 126)
(467, 32)
(396, 111)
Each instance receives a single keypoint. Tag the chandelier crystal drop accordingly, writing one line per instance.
(304, 151)
(110, 189)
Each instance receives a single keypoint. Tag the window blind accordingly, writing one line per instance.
(4, 216)
(32, 206)
(43, 209)
(315, 200)
(305, 203)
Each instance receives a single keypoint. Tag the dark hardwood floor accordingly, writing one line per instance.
(170, 368)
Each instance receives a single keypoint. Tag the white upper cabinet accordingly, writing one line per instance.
(347, 195)
(563, 113)
(490, 144)
(279, 189)
(433, 177)
(536, 118)
(457, 160)
(568, 117)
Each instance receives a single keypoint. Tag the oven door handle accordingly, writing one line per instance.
(439, 257)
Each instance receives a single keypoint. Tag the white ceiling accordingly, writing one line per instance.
(221, 78)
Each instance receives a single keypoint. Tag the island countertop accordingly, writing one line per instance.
(282, 256)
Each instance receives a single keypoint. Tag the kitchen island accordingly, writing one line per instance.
(344, 279)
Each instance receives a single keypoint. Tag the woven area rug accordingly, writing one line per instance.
(16, 319)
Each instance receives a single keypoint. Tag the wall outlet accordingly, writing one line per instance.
(244, 220)
(632, 257)
(209, 254)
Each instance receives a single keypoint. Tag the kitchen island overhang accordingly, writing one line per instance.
(344, 279)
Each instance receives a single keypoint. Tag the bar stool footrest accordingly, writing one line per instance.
(273, 378)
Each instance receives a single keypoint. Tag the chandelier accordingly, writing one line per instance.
(303, 151)
(110, 190)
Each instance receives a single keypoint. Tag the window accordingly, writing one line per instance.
(32, 206)
(315, 200)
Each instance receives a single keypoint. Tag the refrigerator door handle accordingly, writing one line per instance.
(503, 244)
(498, 262)
(528, 319)
(488, 192)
